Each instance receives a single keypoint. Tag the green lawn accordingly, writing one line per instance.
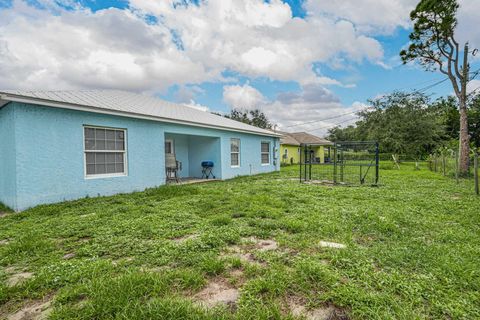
(412, 252)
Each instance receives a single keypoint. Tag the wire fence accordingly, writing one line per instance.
(446, 162)
(347, 163)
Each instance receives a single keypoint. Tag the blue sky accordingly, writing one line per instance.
(298, 60)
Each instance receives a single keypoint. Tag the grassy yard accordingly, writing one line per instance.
(252, 244)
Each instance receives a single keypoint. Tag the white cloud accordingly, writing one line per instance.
(194, 105)
(370, 16)
(112, 48)
(293, 111)
(243, 97)
(80, 49)
(468, 14)
(474, 85)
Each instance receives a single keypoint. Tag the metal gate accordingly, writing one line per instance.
(347, 162)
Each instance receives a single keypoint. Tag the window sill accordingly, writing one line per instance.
(234, 166)
(105, 176)
(265, 164)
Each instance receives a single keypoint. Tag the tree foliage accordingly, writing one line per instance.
(402, 122)
(411, 124)
(254, 117)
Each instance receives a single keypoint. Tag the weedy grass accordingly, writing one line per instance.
(412, 250)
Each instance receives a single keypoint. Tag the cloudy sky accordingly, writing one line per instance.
(309, 64)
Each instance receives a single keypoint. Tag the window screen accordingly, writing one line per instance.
(104, 151)
(235, 152)
(265, 152)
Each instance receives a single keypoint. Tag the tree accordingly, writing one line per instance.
(474, 116)
(403, 123)
(252, 117)
(434, 46)
(337, 134)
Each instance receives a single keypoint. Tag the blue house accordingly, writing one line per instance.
(65, 145)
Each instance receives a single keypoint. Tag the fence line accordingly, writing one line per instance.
(446, 162)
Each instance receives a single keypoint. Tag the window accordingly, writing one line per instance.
(169, 147)
(105, 152)
(235, 152)
(285, 154)
(265, 152)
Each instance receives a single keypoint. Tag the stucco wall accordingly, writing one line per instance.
(49, 154)
(7, 156)
(293, 153)
(201, 149)
(250, 159)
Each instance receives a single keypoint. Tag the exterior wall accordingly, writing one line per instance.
(250, 156)
(201, 149)
(319, 152)
(292, 152)
(180, 143)
(8, 179)
(49, 155)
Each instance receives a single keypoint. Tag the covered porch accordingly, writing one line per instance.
(190, 151)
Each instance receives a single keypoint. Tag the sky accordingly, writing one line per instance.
(308, 64)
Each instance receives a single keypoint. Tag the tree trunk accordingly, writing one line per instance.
(464, 145)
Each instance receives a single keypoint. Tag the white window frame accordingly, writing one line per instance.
(262, 153)
(125, 158)
(172, 145)
(235, 152)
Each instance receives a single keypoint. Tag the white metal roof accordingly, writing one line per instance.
(131, 105)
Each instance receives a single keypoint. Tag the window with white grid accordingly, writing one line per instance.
(265, 152)
(105, 152)
(235, 152)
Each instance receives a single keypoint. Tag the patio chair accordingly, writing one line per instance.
(172, 166)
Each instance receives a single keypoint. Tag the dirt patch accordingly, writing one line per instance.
(260, 244)
(4, 242)
(185, 238)
(218, 292)
(88, 215)
(16, 277)
(5, 214)
(84, 239)
(124, 260)
(242, 252)
(245, 250)
(326, 244)
(69, 256)
(267, 245)
(298, 309)
(38, 310)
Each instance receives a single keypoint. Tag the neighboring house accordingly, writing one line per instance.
(64, 145)
(290, 147)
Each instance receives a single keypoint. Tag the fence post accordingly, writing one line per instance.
(306, 154)
(475, 171)
(310, 164)
(335, 163)
(342, 166)
(300, 163)
(444, 165)
(456, 165)
(377, 162)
